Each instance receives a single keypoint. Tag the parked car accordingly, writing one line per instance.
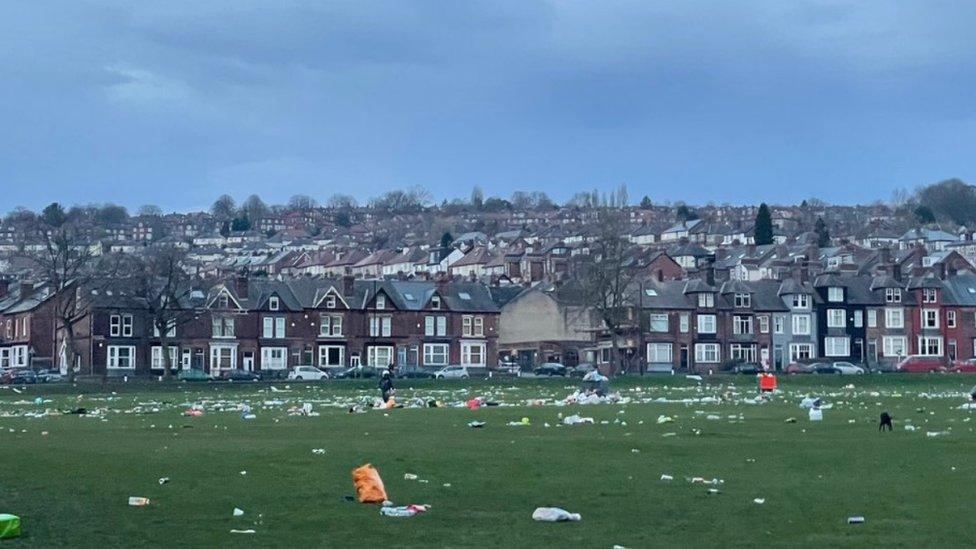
(415, 374)
(357, 371)
(582, 369)
(16, 376)
(964, 367)
(747, 368)
(310, 373)
(799, 368)
(193, 374)
(49, 376)
(550, 369)
(508, 367)
(847, 368)
(240, 375)
(920, 365)
(824, 368)
(452, 372)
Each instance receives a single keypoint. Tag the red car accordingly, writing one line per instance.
(920, 365)
(799, 368)
(964, 367)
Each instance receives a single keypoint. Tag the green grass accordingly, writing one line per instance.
(70, 487)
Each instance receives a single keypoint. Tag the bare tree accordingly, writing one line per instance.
(150, 210)
(166, 291)
(341, 202)
(224, 208)
(254, 208)
(66, 261)
(302, 203)
(608, 280)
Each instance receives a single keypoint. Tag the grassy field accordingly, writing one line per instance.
(69, 477)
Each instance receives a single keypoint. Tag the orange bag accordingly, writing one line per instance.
(369, 485)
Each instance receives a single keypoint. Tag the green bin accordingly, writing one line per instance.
(9, 526)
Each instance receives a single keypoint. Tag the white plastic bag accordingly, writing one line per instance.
(554, 514)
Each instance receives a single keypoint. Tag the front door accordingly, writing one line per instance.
(248, 360)
(778, 357)
(872, 351)
(764, 357)
(684, 357)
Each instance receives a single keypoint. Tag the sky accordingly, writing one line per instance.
(174, 103)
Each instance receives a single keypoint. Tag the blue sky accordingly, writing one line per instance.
(176, 102)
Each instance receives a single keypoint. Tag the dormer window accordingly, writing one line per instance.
(801, 301)
(435, 303)
(273, 303)
(706, 300)
(224, 301)
(743, 300)
(892, 295)
(381, 302)
(930, 295)
(330, 301)
(835, 294)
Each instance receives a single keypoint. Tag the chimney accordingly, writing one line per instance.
(443, 281)
(884, 256)
(751, 250)
(26, 289)
(348, 283)
(4, 287)
(240, 285)
(940, 270)
(896, 271)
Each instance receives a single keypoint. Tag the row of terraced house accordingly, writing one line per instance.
(260, 325)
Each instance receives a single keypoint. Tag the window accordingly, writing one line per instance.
(837, 346)
(658, 323)
(472, 354)
(801, 351)
(223, 326)
(274, 327)
(381, 302)
(273, 303)
(330, 326)
(742, 300)
(604, 354)
(742, 325)
(801, 324)
(223, 301)
(892, 295)
(435, 303)
(380, 325)
(170, 328)
(745, 353)
(435, 354)
(706, 352)
(118, 326)
(930, 318)
(684, 321)
(472, 326)
(222, 358)
(777, 324)
(858, 319)
(379, 357)
(330, 301)
(872, 318)
(763, 324)
(930, 346)
(706, 324)
(121, 356)
(158, 361)
(706, 300)
(950, 319)
(930, 295)
(894, 346)
(894, 317)
(659, 353)
(435, 326)
(801, 301)
(332, 355)
(274, 358)
(836, 318)
(835, 294)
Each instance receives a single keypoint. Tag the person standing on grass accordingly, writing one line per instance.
(386, 386)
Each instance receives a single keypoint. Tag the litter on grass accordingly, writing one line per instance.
(404, 511)
(136, 501)
(555, 514)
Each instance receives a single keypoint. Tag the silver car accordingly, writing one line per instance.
(452, 372)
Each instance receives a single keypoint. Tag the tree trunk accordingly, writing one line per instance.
(71, 352)
(167, 359)
(615, 355)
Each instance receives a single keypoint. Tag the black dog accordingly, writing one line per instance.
(885, 421)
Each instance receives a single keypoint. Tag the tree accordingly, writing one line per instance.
(111, 214)
(254, 208)
(150, 210)
(645, 203)
(606, 278)
(341, 202)
(823, 236)
(302, 203)
(495, 204)
(924, 215)
(764, 226)
(412, 200)
(342, 219)
(240, 224)
(66, 262)
(224, 208)
(477, 198)
(53, 215)
(446, 240)
(950, 199)
(685, 213)
(165, 290)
